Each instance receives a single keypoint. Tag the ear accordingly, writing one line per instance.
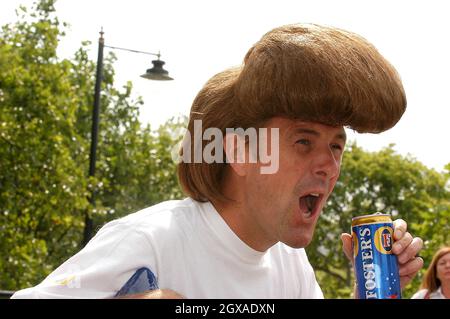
(235, 150)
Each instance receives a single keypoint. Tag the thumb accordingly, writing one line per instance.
(347, 245)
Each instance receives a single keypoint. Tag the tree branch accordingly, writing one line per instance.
(334, 274)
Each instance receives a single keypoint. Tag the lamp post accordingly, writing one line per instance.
(157, 73)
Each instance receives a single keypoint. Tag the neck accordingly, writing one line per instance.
(235, 216)
(445, 287)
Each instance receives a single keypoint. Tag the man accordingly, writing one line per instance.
(243, 229)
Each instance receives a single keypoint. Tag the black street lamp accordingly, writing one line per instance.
(157, 73)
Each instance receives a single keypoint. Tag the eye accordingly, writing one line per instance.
(303, 141)
(337, 147)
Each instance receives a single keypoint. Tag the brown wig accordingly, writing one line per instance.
(430, 280)
(302, 71)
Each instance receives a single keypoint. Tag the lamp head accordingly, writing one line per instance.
(157, 72)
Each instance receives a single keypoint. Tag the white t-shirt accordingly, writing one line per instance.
(421, 294)
(182, 245)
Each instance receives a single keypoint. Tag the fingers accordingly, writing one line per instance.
(347, 245)
(411, 267)
(410, 251)
(401, 244)
(400, 228)
(406, 248)
(409, 270)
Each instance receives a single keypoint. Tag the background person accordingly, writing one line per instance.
(436, 281)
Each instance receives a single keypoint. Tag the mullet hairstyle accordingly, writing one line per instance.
(304, 71)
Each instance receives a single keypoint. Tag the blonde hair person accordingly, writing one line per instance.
(241, 232)
(436, 281)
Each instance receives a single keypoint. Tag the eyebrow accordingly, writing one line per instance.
(299, 130)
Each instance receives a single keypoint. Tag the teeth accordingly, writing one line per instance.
(314, 194)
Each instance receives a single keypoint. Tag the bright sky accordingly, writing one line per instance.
(198, 38)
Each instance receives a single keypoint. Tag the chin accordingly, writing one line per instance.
(300, 241)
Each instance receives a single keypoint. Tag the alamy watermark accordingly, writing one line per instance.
(250, 145)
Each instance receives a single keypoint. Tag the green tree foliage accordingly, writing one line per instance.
(45, 123)
(379, 182)
(42, 187)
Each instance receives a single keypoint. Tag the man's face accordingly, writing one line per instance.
(286, 205)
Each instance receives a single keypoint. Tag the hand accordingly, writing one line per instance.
(405, 247)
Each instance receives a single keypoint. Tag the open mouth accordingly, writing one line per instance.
(309, 203)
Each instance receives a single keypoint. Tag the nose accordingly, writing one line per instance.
(326, 165)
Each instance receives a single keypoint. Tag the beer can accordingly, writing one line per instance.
(376, 267)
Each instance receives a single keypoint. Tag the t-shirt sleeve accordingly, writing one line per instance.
(310, 288)
(316, 291)
(117, 261)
